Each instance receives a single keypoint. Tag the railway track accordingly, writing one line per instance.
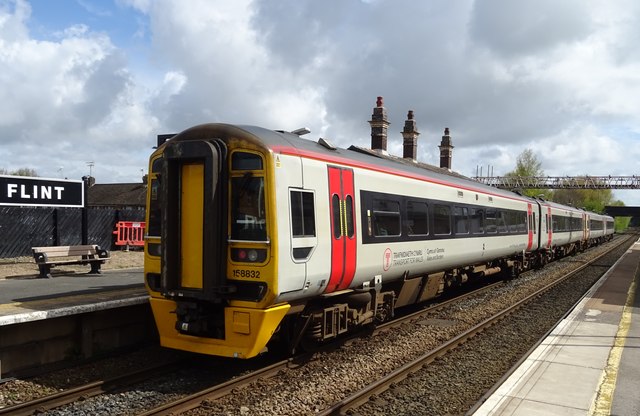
(215, 392)
(391, 380)
(362, 395)
(88, 390)
(280, 369)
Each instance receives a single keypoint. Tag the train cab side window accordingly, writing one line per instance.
(441, 219)
(155, 210)
(461, 219)
(303, 221)
(386, 218)
(155, 200)
(417, 218)
(246, 161)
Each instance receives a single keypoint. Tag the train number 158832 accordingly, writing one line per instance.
(251, 274)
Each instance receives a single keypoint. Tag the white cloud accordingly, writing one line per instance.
(558, 78)
(62, 100)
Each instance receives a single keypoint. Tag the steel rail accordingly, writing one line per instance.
(193, 401)
(379, 386)
(95, 388)
(215, 392)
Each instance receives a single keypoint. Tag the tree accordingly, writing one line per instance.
(527, 165)
(590, 199)
(20, 172)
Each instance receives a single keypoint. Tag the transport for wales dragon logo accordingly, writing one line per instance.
(386, 259)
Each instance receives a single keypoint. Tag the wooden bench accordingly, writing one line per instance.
(48, 257)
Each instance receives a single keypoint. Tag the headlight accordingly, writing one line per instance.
(249, 255)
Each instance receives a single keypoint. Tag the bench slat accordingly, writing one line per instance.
(66, 250)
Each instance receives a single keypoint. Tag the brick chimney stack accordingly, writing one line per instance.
(379, 126)
(410, 137)
(446, 150)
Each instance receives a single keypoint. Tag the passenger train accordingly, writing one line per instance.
(257, 235)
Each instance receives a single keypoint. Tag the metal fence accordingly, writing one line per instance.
(24, 227)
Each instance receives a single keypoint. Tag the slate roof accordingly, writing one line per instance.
(117, 194)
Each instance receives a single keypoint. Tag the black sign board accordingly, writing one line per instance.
(38, 192)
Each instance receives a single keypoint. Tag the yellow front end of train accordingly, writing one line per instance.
(247, 330)
(210, 254)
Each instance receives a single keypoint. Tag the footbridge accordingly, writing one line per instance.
(561, 182)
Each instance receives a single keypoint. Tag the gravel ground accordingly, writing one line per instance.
(333, 375)
(18, 391)
(458, 380)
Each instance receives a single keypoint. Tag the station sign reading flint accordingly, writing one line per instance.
(39, 192)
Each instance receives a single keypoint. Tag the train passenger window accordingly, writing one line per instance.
(246, 161)
(349, 216)
(441, 219)
(337, 223)
(303, 221)
(576, 224)
(461, 219)
(560, 224)
(386, 218)
(417, 218)
(248, 217)
(516, 221)
(501, 222)
(509, 221)
(521, 221)
(477, 220)
(491, 221)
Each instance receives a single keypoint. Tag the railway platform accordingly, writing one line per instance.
(30, 299)
(70, 317)
(590, 362)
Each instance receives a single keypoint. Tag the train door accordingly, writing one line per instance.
(549, 227)
(532, 225)
(343, 228)
(585, 227)
(194, 229)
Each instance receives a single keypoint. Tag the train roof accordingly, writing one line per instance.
(280, 141)
(368, 158)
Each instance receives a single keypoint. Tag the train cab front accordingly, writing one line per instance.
(211, 271)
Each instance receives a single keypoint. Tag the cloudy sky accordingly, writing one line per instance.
(95, 81)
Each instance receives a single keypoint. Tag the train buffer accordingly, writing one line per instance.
(48, 257)
(129, 233)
